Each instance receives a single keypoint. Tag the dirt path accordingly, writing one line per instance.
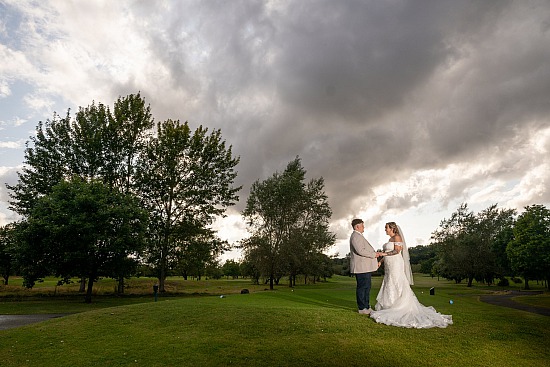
(13, 321)
(505, 300)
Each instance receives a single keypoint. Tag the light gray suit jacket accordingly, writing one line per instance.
(363, 256)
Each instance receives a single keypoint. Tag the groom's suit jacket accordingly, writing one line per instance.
(363, 256)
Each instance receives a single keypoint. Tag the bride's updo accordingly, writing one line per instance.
(394, 227)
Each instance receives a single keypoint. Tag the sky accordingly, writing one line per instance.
(407, 109)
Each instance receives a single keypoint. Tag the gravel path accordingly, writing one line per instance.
(505, 300)
(12, 321)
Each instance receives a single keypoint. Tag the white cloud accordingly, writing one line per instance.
(12, 144)
(4, 89)
(38, 103)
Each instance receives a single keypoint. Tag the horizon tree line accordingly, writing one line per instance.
(490, 245)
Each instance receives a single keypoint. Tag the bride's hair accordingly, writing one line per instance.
(394, 227)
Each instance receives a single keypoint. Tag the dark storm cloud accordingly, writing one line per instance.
(337, 83)
(365, 92)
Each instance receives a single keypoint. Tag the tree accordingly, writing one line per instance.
(423, 255)
(105, 145)
(7, 242)
(452, 239)
(288, 221)
(197, 253)
(249, 268)
(185, 179)
(231, 269)
(95, 145)
(467, 243)
(493, 227)
(81, 229)
(128, 134)
(529, 251)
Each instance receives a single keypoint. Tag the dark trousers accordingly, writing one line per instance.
(362, 291)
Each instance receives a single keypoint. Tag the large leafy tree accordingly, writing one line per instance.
(451, 240)
(493, 227)
(467, 244)
(197, 253)
(529, 250)
(81, 229)
(7, 243)
(96, 144)
(288, 221)
(185, 179)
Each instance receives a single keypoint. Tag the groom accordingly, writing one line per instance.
(362, 263)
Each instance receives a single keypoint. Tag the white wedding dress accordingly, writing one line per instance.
(397, 304)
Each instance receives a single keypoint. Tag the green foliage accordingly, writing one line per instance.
(231, 269)
(469, 246)
(95, 145)
(288, 220)
(504, 282)
(7, 244)
(81, 229)
(185, 179)
(529, 250)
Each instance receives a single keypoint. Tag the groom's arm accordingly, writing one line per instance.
(362, 246)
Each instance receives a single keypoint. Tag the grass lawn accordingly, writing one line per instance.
(313, 325)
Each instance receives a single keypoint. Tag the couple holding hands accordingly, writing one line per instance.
(396, 303)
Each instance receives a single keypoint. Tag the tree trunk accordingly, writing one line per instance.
(163, 266)
(527, 284)
(470, 280)
(82, 285)
(120, 285)
(88, 298)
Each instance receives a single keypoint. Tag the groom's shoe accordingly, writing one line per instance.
(365, 311)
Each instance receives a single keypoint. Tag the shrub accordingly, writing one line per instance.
(503, 282)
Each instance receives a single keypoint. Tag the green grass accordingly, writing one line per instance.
(313, 325)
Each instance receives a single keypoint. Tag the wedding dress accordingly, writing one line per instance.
(397, 304)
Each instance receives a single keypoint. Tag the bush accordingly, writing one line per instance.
(517, 280)
(503, 282)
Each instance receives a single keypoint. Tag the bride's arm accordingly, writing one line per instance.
(396, 248)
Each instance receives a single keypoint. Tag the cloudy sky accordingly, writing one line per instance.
(406, 108)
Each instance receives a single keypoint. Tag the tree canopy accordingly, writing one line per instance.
(467, 244)
(81, 229)
(529, 250)
(182, 178)
(185, 179)
(288, 220)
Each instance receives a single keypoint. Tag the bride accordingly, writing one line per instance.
(397, 304)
